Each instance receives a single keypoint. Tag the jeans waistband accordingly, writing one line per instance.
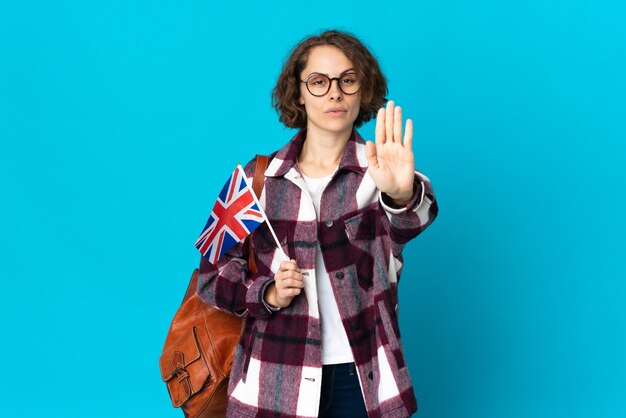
(342, 368)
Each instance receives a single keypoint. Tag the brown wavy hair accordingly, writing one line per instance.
(286, 93)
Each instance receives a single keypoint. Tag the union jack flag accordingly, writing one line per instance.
(235, 215)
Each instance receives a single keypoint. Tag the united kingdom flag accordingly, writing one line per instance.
(235, 215)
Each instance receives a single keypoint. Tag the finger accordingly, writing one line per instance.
(370, 153)
(294, 263)
(289, 273)
(286, 277)
(292, 274)
(389, 121)
(408, 135)
(397, 125)
(380, 126)
(288, 265)
(287, 293)
(291, 283)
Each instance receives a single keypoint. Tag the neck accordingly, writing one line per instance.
(321, 152)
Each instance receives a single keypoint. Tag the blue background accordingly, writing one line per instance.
(120, 121)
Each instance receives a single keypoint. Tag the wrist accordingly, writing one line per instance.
(400, 200)
(402, 197)
(271, 297)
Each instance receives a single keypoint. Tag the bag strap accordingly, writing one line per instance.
(258, 180)
(257, 187)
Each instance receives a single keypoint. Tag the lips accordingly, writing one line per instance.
(336, 111)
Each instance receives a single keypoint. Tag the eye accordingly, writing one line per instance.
(348, 79)
(318, 81)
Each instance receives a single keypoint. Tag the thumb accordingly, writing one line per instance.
(370, 152)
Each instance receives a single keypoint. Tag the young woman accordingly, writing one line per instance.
(321, 336)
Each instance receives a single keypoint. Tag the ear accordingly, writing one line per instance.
(301, 100)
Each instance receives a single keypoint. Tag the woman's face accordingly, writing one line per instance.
(335, 112)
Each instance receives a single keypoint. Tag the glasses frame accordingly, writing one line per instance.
(330, 83)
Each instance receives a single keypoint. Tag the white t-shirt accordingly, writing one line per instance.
(335, 344)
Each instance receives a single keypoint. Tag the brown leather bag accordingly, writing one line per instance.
(200, 345)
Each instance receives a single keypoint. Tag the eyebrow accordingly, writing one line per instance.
(340, 74)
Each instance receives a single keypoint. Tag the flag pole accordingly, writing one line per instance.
(245, 178)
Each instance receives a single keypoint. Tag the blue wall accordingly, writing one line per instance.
(120, 120)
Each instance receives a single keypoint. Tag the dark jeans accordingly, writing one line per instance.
(341, 392)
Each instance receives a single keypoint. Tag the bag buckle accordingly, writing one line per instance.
(178, 362)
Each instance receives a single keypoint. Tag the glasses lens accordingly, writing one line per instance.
(318, 85)
(349, 83)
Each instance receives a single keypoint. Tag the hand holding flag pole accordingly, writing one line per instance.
(236, 213)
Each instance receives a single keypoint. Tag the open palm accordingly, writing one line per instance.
(390, 160)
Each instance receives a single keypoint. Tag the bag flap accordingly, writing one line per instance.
(180, 354)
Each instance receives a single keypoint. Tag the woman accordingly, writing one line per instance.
(321, 336)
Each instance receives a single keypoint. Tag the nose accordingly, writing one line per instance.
(335, 92)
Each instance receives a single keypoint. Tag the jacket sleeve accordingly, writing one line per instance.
(229, 285)
(409, 221)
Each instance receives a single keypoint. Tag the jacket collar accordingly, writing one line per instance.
(353, 157)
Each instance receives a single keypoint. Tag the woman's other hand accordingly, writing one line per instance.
(390, 160)
(288, 283)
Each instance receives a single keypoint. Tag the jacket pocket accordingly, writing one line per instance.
(389, 331)
(263, 241)
(266, 250)
(363, 231)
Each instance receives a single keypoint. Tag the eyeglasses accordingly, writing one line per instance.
(319, 84)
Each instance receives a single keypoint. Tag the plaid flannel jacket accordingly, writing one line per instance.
(278, 362)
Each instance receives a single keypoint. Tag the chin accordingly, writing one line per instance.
(337, 126)
(338, 129)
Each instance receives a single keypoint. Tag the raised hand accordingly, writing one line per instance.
(391, 162)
